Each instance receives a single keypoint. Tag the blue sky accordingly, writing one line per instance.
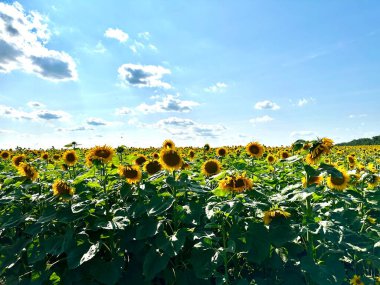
(217, 72)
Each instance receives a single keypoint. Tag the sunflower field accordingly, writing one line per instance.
(304, 214)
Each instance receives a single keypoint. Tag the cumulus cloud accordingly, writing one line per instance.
(23, 37)
(216, 88)
(262, 119)
(143, 75)
(303, 134)
(169, 103)
(116, 34)
(266, 105)
(355, 116)
(36, 115)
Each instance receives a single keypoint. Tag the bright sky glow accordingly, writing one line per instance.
(218, 72)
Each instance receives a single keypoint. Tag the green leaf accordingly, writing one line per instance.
(107, 273)
(159, 205)
(92, 251)
(258, 243)
(147, 228)
(154, 263)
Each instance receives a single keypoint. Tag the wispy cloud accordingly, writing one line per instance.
(216, 88)
(303, 101)
(262, 119)
(170, 103)
(35, 115)
(355, 116)
(303, 134)
(266, 105)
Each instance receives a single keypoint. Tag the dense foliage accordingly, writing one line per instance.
(363, 141)
(307, 214)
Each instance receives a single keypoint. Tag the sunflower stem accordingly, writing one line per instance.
(225, 257)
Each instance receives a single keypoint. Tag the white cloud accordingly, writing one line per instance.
(303, 134)
(100, 48)
(144, 35)
(303, 101)
(123, 111)
(216, 88)
(36, 115)
(169, 103)
(116, 34)
(96, 122)
(262, 119)
(353, 116)
(143, 75)
(266, 105)
(136, 46)
(23, 37)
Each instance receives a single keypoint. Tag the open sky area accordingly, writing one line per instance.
(220, 72)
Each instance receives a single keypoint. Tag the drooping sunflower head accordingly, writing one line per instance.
(70, 157)
(102, 153)
(255, 149)
(170, 159)
(311, 160)
(140, 160)
(312, 180)
(5, 154)
(62, 188)
(221, 151)
(211, 167)
(130, 172)
(373, 181)
(206, 147)
(276, 213)
(271, 159)
(28, 171)
(152, 167)
(17, 159)
(338, 183)
(168, 144)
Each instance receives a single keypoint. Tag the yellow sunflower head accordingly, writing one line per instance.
(191, 154)
(255, 149)
(351, 160)
(156, 155)
(5, 154)
(56, 156)
(338, 183)
(102, 153)
(61, 188)
(211, 167)
(284, 154)
(140, 160)
(356, 280)
(70, 157)
(271, 159)
(152, 167)
(17, 159)
(373, 181)
(236, 184)
(170, 159)
(168, 144)
(28, 171)
(221, 151)
(272, 214)
(45, 156)
(131, 173)
(312, 180)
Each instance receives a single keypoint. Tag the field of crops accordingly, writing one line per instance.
(304, 214)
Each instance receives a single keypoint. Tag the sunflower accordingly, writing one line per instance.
(373, 181)
(255, 149)
(70, 157)
(221, 151)
(131, 173)
(17, 159)
(152, 167)
(271, 159)
(170, 159)
(356, 280)
(351, 160)
(284, 154)
(274, 214)
(45, 156)
(101, 153)
(140, 160)
(312, 180)
(5, 154)
(211, 167)
(61, 188)
(168, 144)
(56, 156)
(191, 154)
(237, 184)
(206, 147)
(338, 183)
(28, 171)
(156, 155)
(310, 160)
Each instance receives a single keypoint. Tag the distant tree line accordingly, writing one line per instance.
(363, 141)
